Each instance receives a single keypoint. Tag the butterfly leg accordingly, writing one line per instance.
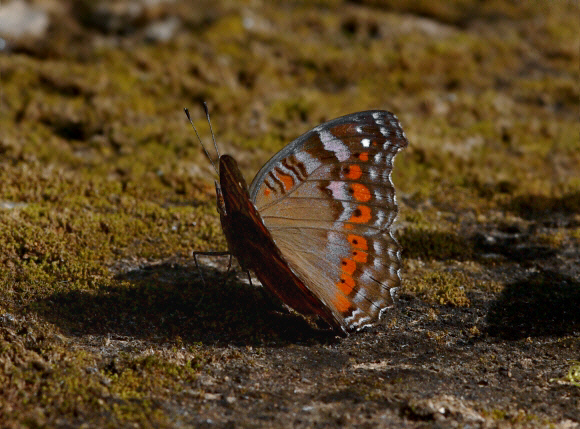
(196, 254)
(249, 278)
(229, 265)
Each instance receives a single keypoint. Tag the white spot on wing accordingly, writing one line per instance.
(365, 142)
(308, 161)
(346, 213)
(385, 175)
(362, 323)
(380, 218)
(360, 296)
(334, 145)
(385, 308)
(353, 315)
(284, 170)
(333, 252)
(338, 190)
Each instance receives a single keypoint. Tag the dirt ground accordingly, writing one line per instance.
(105, 192)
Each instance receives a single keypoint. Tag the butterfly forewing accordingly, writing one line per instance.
(328, 201)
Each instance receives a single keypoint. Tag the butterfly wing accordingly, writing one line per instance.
(328, 201)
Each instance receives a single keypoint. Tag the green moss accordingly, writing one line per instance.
(442, 288)
(573, 375)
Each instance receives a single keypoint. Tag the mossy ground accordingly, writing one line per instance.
(104, 194)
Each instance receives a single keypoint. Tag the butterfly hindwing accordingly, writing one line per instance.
(328, 201)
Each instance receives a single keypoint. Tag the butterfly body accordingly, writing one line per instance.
(314, 225)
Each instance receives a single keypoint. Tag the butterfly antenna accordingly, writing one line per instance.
(210, 128)
(196, 133)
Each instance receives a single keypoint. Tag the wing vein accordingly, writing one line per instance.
(272, 227)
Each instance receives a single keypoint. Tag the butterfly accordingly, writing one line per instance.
(315, 223)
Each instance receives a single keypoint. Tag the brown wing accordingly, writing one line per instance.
(328, 201)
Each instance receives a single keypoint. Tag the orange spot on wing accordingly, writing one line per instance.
(348, 266)
(359, 256)
(360, 192)
(342, 303)
(286, 180)
(346, 283)
(267, 191)
(364, 156)
(354, 172)
(357, 241)
(362, 214)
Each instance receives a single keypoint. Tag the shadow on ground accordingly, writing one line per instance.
(538, 206)
(513, 245)
(426, 244)
(545, 304)
(169, 302)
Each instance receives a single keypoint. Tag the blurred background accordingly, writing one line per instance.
(92, 94)
(105, 192)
